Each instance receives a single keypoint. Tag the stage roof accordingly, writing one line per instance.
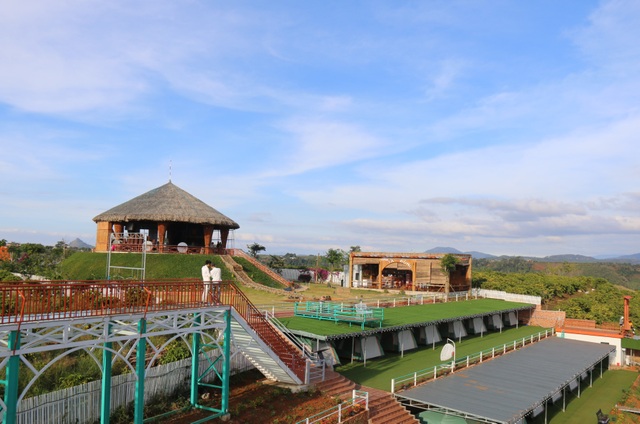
(507, 388)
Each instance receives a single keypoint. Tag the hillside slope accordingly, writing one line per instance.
(93, 266)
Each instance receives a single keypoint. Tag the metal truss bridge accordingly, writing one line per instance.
(132, 323)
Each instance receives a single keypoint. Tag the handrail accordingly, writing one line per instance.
(279, 344)
(59, 300)
(421, 376)
(292, 337)
(312, 357)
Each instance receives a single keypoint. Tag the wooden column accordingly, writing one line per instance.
(162, 228)
(118, 228)
(224, 235)
(208, 231)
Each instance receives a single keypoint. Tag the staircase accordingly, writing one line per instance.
(336, 385)
(259, 353)
(260, 342)
(262, 267)
(383, 407)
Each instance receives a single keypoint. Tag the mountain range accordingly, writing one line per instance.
(632, 259)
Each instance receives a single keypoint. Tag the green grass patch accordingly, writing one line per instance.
(605, 393)
(406, 315)
(378, 372)
(256, 274)
(93, 266)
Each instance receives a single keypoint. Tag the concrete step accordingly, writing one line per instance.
(384, 408)
(337, 387)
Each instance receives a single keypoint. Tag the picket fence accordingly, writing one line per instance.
(81, 404)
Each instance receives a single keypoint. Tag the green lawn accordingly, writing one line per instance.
(605, 393)
(378, 372)
(406, 315)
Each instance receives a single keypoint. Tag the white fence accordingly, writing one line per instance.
(81, 404)
(511, 297)
(287, 308)
(359, 402)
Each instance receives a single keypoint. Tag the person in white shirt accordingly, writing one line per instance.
(206, 279)
(216, 278)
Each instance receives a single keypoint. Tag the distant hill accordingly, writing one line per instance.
(474, 254)
(79, 244)
(566, 258)
(572, 258)
(443, 250)
(480, 255)
(634, 259)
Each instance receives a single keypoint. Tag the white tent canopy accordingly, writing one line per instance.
(368, 348)
(403, 340)
(478, 326)
(457, 330)
(429, 335)
(496, 322)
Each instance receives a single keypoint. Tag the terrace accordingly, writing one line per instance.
(406, 317)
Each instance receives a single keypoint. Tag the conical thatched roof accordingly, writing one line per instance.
(167, 203)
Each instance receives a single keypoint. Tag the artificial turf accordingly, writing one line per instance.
(378, 372)
(406, 315)
(605, 393)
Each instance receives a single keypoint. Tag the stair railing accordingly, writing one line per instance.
(277, 342)
(316, 366)
(262, 267)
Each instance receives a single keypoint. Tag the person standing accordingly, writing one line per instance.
(206, 279)
(216, 279)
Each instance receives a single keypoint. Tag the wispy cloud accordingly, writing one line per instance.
(382, 125)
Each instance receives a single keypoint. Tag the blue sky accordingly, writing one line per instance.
(505, 127)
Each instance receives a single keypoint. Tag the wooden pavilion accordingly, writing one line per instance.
(172, 220)
(408, 271)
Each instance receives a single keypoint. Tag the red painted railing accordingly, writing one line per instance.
(59, 300)
(137, 247)
(286, 351)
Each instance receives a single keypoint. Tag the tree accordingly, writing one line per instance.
(255, 248)
(448, 262)
(335, 257)
(276, 263)
(355, 249)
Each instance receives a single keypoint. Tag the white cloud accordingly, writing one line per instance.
(321, 144)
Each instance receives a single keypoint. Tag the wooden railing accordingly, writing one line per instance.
(57, 300)
(60, 300)
(136, 247)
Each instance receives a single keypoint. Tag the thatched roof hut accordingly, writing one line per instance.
(169, 216)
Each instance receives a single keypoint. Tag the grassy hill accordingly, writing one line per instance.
(93, 266)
